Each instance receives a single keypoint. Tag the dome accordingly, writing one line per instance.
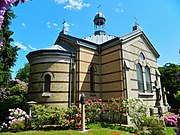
(99, 19)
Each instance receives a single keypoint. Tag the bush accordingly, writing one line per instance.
(74, 117)
(94, 109)
(154, 126)
(40, 116)
(17, 120)
(137, 110)
(171, 120)
(12, 97)
(115, 106)
(63, 118)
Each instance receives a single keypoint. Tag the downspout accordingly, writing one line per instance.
(125, 77)
(70, 81)
(123, 69)
(100, 71)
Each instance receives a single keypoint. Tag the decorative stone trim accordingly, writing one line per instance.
(146, 94)
(46, 94)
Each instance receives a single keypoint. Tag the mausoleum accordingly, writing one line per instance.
(100, 66)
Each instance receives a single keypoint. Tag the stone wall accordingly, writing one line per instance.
(112, 82)
(131, 53)
(86, 59)
(59, 86)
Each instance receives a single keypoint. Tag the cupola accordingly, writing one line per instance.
(99, 23)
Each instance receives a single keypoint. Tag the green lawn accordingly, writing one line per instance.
(95, 129)
(101, 131)
(170, 131)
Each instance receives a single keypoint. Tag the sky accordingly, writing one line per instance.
(39, 22)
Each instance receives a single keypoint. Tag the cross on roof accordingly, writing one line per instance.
(136, 18)
(99, 7)
(64, 21)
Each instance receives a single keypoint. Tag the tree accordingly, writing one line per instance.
(170, 81)
(8, 53)
(23, 73)
(4, 6)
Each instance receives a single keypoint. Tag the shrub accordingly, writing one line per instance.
(14, 96)
(17, 119)
(40, 116)
(154, 126)
(93, 109)
(137, 110)
(171, 120)
(74, 117)
(115, 106)
(65, 119)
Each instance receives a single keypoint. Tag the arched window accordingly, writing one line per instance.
(92, 90)
(141, 56)
(47, 84)
(148, 79)
(140, 78)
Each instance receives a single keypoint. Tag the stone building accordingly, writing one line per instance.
(100, 66)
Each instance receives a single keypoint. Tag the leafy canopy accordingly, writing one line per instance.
(23, 73)
(170, 81)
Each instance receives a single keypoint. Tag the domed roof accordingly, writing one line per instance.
(99, 14)
(99, 19)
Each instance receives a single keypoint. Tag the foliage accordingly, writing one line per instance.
(115, 106)
(43, 116)
(170, 82)
(137, 110)
(40, 116)
(154, 126)
(74, 116)
(12, 97)
(5, 5)
(177, 95)
(94, 109)
(171, 120)
(8, 53)
(17, 119)
(23, 73)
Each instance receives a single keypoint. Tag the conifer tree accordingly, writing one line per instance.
(8, 53)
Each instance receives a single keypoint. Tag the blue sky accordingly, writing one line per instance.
(39, 22)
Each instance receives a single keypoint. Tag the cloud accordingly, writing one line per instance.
(20, 45)
(55, 24)
(119, 8)
(32, 48)
(60, 1)
(73, 4)
(48, 25)
(23, 24)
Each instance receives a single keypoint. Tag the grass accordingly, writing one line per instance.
(170, 131)
(94, 129)
(99, 131)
